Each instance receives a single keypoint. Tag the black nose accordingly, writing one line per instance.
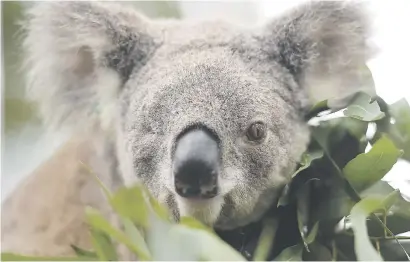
(196, 164)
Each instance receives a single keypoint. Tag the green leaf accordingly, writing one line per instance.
(105, 189)
(284, 196)
(364, 109)
(130, 202)
(303, 215)
(400, 110)
(98, 222)
(192, 222)
(311, 235)
(178, 242)
(135, 235)
(317, 252)
(398, 218)
(380, 188)
(331, 135)
(335, 104)
(83, 253)
(368, 168)
(318, 108)
(7, 256)
(163, 246)
(392, 251)
(359, 213)
(159, 209)
(293, 253)
(103, 246)
(202, 242)
(307, 159)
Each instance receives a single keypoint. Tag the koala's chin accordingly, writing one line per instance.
(206, 211)
(227, 211)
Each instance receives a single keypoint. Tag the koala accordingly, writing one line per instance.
(207, 115)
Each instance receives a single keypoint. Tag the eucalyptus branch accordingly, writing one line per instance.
(356, 197)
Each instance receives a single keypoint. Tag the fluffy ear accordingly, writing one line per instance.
(78, 55)
(324, 44)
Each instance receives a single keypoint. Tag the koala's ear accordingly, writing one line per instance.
(324, 44)
(78, 55)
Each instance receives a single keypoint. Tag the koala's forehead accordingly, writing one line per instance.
(213, 86)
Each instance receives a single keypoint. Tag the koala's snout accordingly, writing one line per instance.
(196, 163)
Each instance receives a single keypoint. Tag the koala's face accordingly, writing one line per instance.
(210, 135)
(208, 116)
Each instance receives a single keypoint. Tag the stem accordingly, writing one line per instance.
(378, 246)
(384, 221)
(266, 240)
(381, 238)
(334, 251)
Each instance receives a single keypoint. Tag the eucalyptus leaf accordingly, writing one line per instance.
(380, 188)
(400, 110)
(307, 159)
(312, 234)
(364, 109)
(358, 215)
(318, 252)
(83, 253)
(103, 245)
(135, 235)
(181, 242)
(303, 215)
(159, 209)
(368, 168)
(293, 253)
(192, 222)
(392, 251)
(284, 196)
(341, 138)
(398, 217)
(103, 187)
(161, 243)
(335, 104)
(130, 202)
(203, 242)
(98, 222)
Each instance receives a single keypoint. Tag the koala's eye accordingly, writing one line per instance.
(256, 132)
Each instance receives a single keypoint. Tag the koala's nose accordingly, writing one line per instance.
(196, 164)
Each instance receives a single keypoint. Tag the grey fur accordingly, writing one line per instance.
(142, 82)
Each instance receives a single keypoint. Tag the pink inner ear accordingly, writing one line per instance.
(84, 62)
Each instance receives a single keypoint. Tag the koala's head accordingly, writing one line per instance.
(209, 115)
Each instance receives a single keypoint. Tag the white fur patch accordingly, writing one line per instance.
(206, 211)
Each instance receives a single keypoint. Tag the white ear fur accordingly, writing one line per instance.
(325, 45)
(77, 57)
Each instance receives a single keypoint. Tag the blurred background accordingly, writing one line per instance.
(24, 144)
